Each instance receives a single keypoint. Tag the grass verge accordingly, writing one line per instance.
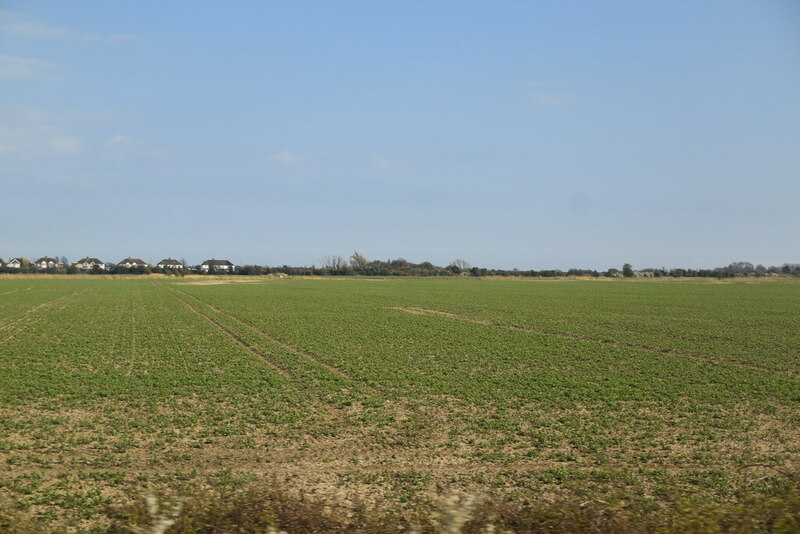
(270, 509)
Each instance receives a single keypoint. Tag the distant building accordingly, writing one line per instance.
(47, 263)
(15, 263)
(128, 263)
(169, 263)
(87, 264)
(217, 266)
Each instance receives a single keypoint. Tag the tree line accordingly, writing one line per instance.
(358, 265)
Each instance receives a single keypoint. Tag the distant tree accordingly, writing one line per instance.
(250, 270)
(457, 266)
(400, 263)
(358, 262)
(477, 271)
(333, 262)
(741, 267)
(627, 270)
(461, 264)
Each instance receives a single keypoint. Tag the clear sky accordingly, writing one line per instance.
(527, 134)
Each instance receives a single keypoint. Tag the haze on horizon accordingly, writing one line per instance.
(534, 135)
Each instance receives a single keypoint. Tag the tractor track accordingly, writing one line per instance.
(252, 349)
(297, 351)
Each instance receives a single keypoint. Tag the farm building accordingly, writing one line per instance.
(169, 263)
(217, 266)
(132, 262)
(89, 263)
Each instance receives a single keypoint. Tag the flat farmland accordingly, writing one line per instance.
(394, 391)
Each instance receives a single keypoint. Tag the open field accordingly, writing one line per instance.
(394, 391)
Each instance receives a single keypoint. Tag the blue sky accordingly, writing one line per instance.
(510, 134)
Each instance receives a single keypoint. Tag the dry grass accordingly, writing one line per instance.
(265, 509)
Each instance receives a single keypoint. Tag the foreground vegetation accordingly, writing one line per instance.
(259, 509)
(622, 403)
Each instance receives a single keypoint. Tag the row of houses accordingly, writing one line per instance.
(94, 264)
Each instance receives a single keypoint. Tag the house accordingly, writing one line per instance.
(15, 263)
(217, 266)
(87, 264)
(169, 263)
(47, 263)
(132, 262)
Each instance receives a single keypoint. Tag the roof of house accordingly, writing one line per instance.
(135, 261)
(47, 259)
(89, 260)
(218, 262)
(170, 261)
(18, 260)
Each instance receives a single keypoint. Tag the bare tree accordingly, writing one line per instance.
(358, 262)
(457, 266)
(333, 262)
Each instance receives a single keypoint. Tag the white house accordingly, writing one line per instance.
(15, 263)
(169, 263)
(87, 264)
(47, 263)
(217, 266)
(132, 262)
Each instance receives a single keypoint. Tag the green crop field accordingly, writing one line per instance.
(394, 391)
